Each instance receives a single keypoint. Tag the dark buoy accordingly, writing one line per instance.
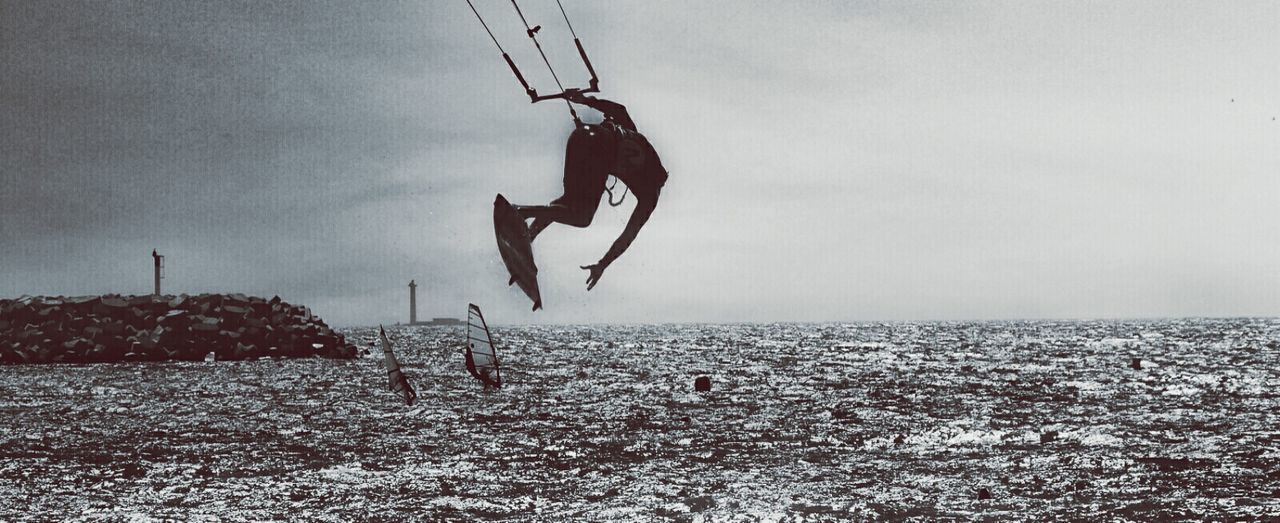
(1136, 363)
(702, 384)
(984, 494)
(133, 471)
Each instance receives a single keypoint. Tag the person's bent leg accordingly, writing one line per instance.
(586, 165)
(572, 212)
(555, 212)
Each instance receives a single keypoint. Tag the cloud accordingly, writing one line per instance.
(841, 160)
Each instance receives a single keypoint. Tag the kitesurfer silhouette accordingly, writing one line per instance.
(594, 151)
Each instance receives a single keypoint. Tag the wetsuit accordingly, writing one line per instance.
(595, 151)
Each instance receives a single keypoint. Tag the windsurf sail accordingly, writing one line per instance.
(482, 358)
(396, 380)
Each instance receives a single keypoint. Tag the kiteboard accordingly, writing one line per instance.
(482, 357)
(516, 249)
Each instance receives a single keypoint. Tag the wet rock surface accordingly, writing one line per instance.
(113, 328)
(805, 423)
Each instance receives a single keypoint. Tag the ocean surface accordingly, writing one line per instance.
(600, 423)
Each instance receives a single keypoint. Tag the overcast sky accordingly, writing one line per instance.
(829, 160)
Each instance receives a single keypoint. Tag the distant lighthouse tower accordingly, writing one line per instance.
(413, 302)
(159, 269)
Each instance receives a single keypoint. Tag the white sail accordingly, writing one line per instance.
(482, 357)
(396, 380)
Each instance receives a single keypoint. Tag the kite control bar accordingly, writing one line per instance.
(533, 35)
(534, 97)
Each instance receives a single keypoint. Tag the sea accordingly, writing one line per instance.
(1145, 420)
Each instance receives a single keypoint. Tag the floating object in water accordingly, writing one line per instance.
(211, 356)
(984, 494)
(396, 380)
(702, 384)
(1136, 363)
(482, 357)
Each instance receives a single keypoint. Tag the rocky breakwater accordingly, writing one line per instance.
(110, 328)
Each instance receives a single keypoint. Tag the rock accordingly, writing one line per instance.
(246, 352)
(205, 324)
(100, 310)
(138, 301)
(1136, 363)
(173, 338)
(235, 310)
(142, 318)
(84, 302)
(113, 328)
(115, 302)
(138, 328)
(29, 355)
(76, 350)
(98, 354)
(176, 318)
(984, 494)
(203, 328)
(29, 334)
(251, 333)
(702, 384)
(9, 355)
(1048, 436)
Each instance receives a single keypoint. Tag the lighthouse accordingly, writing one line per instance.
(413, 302)
(159, 262)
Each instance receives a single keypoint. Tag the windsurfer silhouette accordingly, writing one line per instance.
(486, 377)
(594, 151)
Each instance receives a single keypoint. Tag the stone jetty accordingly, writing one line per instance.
(111, 328)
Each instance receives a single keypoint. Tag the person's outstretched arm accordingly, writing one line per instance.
(611, 110)
(639, 216)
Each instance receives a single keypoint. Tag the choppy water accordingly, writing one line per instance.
(805, 423)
